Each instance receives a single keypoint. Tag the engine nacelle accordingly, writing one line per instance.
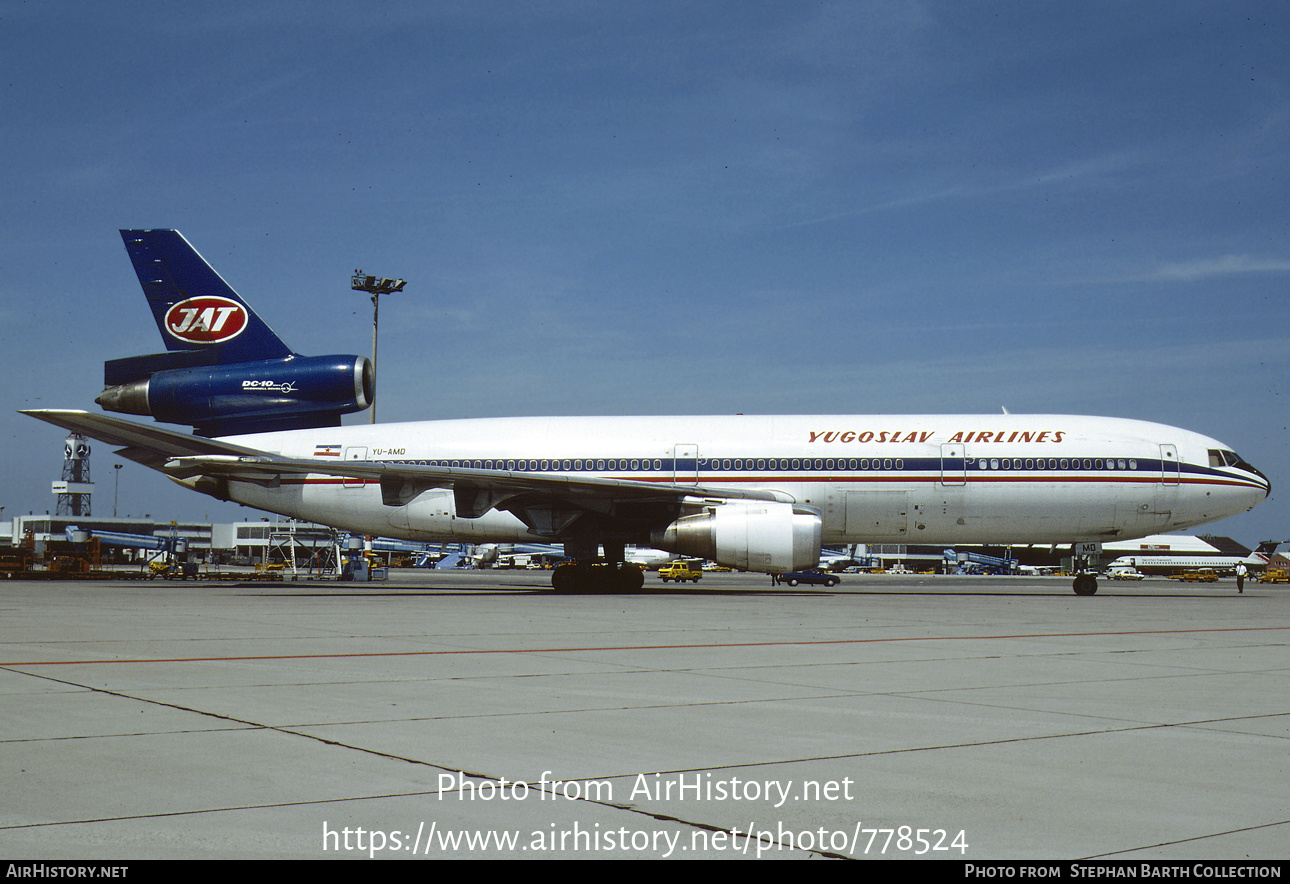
(751, 536)
(244, 397)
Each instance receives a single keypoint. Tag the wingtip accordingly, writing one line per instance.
(39, 412)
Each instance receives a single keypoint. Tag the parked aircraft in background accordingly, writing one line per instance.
(1173, 554)
(756, 492)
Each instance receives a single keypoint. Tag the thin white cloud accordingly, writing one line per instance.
(984, 186)
(1226, 265)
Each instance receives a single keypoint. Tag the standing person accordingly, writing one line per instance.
(1241, 571)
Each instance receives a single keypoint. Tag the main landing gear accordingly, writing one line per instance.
(575, 577)
(585, 571)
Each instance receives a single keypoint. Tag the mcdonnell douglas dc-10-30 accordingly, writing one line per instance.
(757, 492)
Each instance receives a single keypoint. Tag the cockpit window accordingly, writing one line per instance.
(1221, 458)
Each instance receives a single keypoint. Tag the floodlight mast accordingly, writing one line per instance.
(375, 286)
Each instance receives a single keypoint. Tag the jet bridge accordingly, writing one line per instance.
(978, 563)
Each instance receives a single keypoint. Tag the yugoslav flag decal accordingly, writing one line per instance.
(206, 319)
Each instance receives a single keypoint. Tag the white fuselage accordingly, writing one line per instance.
(1177, 564)
(873, 479)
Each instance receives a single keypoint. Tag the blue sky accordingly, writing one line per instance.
(667, 207)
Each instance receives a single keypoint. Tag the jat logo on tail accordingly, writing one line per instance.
(206, 319)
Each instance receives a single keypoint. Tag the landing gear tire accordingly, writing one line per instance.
(1085, 584)
(567, 579)
(574, 579)
(631, 578)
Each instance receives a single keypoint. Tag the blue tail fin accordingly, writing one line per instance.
(194, 307)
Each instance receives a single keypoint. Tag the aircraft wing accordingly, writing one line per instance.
(545, 502)
(148, 445)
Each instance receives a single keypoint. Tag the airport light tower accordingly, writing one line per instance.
(375, 286)
(75, 487)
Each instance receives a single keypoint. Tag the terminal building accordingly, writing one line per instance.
(237, 543)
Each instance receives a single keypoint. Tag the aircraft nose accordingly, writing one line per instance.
(1263, 480)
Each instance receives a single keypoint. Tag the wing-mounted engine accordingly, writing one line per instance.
(245, 397)
(751, 536)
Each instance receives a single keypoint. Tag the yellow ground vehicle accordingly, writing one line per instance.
(1201, 575)
(680, 572)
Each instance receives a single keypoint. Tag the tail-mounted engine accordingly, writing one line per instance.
(245, 397)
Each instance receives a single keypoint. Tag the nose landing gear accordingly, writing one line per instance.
(1085, 584)
(1083, 557)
